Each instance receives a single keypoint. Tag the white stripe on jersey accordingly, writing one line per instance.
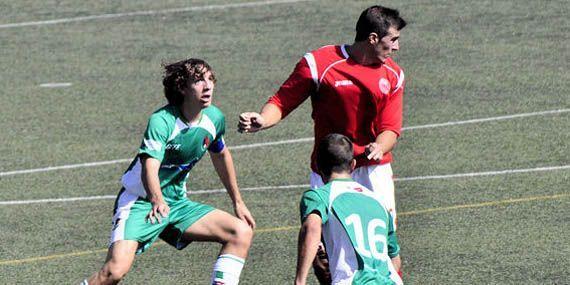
(313, 67)
(152, 144)
(393, 71)
(179, 126)
(329, 67)
(400, 81)
(342, 257)
(132, 181)
(207, 124)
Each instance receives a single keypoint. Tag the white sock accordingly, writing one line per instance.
(84, 282)
(227, 270)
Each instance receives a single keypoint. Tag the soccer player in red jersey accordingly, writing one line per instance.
(356, 90)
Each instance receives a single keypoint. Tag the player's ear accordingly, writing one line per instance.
(373, 38)
(352, 165)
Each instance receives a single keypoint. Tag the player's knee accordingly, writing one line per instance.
(242, 234)
(114, 272)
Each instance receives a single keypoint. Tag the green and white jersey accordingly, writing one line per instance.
(178, 146)
(358, 232)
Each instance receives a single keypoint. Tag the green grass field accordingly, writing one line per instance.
(463, 60)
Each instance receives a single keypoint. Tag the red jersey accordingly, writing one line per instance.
(355, 100)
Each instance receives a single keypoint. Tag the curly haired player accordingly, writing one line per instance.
(153, 202)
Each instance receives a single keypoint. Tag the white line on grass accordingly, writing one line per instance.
(298, 186)
(515, 116)
(56, 84)
(99, 163)
(487, 173)
(69, 166)
(147, 13)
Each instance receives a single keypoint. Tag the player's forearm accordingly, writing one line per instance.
(387, 140)
(271, 115)
(309, 238)
(150, 179)
(224, 165)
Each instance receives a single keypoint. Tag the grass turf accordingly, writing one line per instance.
(463, 60)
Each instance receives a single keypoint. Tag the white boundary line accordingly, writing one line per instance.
(99, 163)
(298, 186)
(56, 84)
(146, 13)
(499, 118)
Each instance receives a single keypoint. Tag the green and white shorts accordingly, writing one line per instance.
(130, 223)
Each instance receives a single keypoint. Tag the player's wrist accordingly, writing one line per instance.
(238, 202)
(156, 200)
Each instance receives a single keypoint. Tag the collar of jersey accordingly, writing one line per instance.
(189, 124)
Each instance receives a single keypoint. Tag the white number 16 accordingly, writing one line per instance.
(373, 238)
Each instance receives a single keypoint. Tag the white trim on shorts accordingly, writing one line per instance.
(125, 202)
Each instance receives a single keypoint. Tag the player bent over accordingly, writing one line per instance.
(153, 202)
(353, 221)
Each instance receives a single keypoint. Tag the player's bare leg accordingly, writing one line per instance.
(234, 235)
(119, 260)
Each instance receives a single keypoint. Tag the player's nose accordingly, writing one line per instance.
(209, 84)
(396, 45)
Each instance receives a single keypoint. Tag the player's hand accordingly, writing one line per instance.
(250, 122)
(243, 214)
(159, 210)
(373, 151)
(321, 265)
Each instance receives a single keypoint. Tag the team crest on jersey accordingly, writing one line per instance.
(384, 85)
(206, 142)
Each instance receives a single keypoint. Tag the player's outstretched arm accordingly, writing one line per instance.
(251, 122)
(224, 165)
(309, 238)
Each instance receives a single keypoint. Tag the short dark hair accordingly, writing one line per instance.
(179, 74)
(377, 19)
(334, 154)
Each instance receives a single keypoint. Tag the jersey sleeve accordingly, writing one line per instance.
(155, 138)
(393, 246)
(295, 90)
(219, 144)
(311, 203)
(390, 115)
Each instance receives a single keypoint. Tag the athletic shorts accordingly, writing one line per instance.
(130, 223)
(378, 178)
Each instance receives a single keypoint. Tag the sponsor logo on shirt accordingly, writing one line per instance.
(343, 83)
(384, 85)
(173, 146)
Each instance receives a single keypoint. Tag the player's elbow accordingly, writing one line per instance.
(397, 262)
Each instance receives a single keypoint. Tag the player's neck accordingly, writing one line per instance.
(191, 114)
(358, 52)
(335, 175)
